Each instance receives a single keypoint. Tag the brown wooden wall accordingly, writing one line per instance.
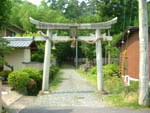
(132, 46)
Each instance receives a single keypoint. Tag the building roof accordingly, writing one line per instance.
(126, 35)
(17, 27)
(19, 42)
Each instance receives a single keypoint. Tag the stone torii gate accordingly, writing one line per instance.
(97, 38)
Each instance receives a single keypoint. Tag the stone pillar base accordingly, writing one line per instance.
(102, 92)
(44, 92)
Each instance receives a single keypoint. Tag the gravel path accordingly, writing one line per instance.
(75, 95)
(74, 91)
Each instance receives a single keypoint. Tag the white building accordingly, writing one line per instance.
(20, 57)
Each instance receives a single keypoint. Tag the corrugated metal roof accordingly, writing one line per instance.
(19, 42)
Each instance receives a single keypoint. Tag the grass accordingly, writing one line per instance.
(4, 110)
(56, 82)
(119, 95)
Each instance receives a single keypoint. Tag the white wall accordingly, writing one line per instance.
(21, 58)
(36, 65)
(15, 59)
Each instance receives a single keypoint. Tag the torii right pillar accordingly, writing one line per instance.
(99, 62)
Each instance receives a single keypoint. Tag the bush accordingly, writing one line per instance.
(5, 74)
(111, 69)
(93, 70)
(33, 88)
(35, 83)
(18, 79)
(33, 73)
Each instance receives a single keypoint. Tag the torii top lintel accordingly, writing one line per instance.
(45, 25)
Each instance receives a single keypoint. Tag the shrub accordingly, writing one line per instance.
(5, 74)
(32, 88)
(18, 79)
(33, 73)
(53, 72)
(35, 80)
(111, 69)
(93, 70)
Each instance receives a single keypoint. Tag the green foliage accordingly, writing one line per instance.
(33, 73)
(38, 55)
(35, 80)
(30, 34)
(56, 82)
(93, 70)
(125, 10)
(29, 78)
(4, 110)
(18, 79)
(121, 95)
(118, 93)
(62, 50)
(73, 10)
(5, 7)
(111, 69)
(88, 50)
(108, 70)
(5, 74)
(4, 49)
(53, 72)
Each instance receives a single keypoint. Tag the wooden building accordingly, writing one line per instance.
(11, 31)
(129, 52)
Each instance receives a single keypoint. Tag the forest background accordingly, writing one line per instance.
(72, 11)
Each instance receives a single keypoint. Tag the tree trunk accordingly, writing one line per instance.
(144, 53)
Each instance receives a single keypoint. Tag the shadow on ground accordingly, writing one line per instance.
(70, 92)
(45, 110)
(81, 110)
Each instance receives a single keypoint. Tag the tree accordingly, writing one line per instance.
(88, 50)
(4, 12)
(125, 10)
(4, 49)
(91, 6)
(144, 53)
(73, 10)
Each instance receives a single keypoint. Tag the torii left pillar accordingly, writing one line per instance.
(100, 84)
(46, 68)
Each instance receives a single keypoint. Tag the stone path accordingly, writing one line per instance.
(74, 91)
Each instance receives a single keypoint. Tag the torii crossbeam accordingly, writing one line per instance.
(97, 38)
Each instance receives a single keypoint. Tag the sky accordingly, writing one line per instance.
(37, 2)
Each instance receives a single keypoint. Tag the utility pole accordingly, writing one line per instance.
(144, 53)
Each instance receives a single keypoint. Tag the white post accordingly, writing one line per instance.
(144, 53)
(27, 55)
(46, 68)
(76, 61)
(99, 60)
